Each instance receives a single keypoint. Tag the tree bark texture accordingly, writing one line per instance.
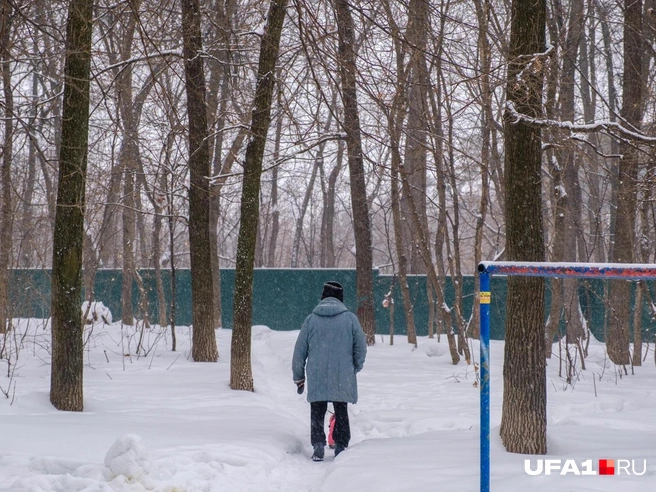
(359, 204)
(6, 218)
(204, 347)
(524, 415)
(416, 127)
(241, 375)
(66, 382)
(617, 339)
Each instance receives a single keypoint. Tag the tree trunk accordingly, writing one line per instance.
(296, 245)
(129, 232)
(636, 359)
(27, 207)
(6, 218)
(241, 375)
(402, 269)
(222, 170)
(524, 414)
(66, 382)
(359, 204)
(567, 210)
(328, 214)
(422, 242)
(416, 128)
(617, 341)
(204, 347)
(172, 307)
(454, 258)
(443, 316)
(275, 213)
(482, 13)
(157, 266)
(215, 207)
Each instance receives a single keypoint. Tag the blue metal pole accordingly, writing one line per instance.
(484, 304)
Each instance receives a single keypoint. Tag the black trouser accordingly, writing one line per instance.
(342, 431)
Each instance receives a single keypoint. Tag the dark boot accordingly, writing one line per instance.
(338, 449)
(318, 452)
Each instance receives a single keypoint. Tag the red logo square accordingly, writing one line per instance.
(606, 467)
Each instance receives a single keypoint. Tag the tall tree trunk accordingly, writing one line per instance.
(394, 122)
(402, 268)
(421, 240)
(157, 266)
(241, 375)
(565, 301)
(359, 204)
(328, 214)
(27, 207)
(617, 341)
(645, 249)
(275, 213)
(415, 141)
(129, 232)
(454, 258)
(485, 59)
(224, 170)
(443, 317)
(6, 218)
(595, 250)
(215, 206)
(66, 381)
(204, 347)
(524, 414)
(171, 220)
(128, 162)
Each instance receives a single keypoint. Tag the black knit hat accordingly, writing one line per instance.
(333, 289)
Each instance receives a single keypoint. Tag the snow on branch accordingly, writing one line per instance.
(135, 59)
(598, 126)
(533, 58)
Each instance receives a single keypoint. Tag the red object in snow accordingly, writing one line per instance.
(331, 439)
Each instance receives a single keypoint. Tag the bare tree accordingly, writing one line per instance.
(565, 301)
(241, 375)
(624, 246)
(66, 382)
(524, 415)
(415, 153)
(359, 204)
(204, 339)
(6, 218)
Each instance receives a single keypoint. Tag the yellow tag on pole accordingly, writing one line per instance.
(485, 298)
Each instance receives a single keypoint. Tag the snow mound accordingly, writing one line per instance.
(433, 349)
(128, 456)
(261, 332)
(96, 312)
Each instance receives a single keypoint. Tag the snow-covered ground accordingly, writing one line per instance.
(161, 422)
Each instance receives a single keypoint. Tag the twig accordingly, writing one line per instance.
(172, 363)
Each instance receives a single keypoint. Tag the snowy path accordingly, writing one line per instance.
(174, 425)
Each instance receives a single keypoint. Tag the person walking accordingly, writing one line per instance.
(329, 352)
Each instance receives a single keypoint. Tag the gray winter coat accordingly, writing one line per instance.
(333, 344)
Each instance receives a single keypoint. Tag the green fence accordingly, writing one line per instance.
(282, 298)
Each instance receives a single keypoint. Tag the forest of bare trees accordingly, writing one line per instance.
(384, 145)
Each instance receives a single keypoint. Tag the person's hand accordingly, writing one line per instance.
(300, 386)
